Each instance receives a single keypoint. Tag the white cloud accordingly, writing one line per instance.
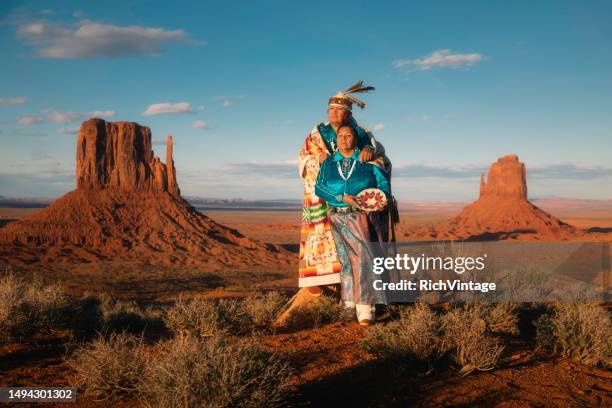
(13, 101)
(89, 39)
(226, 104)
(439, 59)
(63, 117)
(68, 130)
(159, 108)
(102, 113)
(378, 127)
(30, 120)
(200, 124)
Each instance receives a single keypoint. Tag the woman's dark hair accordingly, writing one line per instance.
(346, 125)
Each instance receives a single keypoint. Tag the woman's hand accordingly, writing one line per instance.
(350, 200)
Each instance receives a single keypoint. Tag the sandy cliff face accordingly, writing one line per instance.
(128, 205)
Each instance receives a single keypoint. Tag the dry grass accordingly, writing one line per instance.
(421, 335)
(580, 331)
(109, 368)
(472, 348)
(322, 310)
(206, 318)
(263, 310)
(27, 308)
(498, 317)
(215, 372)
(415, 337)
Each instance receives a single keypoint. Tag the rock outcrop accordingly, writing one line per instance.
(506, 179)
(502, 211)
(127, 205)
(119, 155)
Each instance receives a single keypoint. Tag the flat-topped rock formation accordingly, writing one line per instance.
(502, 211)
(127, 205)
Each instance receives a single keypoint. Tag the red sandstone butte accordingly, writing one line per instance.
(503, 211)
(127, 205)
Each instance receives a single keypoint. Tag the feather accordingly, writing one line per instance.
(356, 101)
(358, 87)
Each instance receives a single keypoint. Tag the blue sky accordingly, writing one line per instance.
(458, 85)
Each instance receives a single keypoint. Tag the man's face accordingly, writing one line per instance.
(346, 138)
(337, 115)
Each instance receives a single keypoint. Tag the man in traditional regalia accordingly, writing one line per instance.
(319, 264)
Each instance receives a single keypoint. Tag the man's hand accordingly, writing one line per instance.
(366, 155)
(322, 156)
(350, 200)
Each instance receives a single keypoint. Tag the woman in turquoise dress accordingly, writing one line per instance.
(342, 176)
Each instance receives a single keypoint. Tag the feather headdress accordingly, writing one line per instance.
(346, 100)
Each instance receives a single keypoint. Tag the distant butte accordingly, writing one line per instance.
(502, 211)
(127, 205)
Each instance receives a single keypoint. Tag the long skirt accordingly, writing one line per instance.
(357, 236)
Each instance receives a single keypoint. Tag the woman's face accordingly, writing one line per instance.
(346, 138)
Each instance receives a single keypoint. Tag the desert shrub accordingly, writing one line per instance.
(215, 372)
(205, 318)
(263, 310)
(322, 310)
(27, 308)
(120, 316)
(498, 317)
(465, 335)
(580, 331)
(415, 337)
(109, 367)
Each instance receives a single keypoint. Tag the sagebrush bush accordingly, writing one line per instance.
(206, 318)
(109, 367)
(120, 316)
(498, 317)
(580, 331)
(263, 309)
(322, 310)
(215, 372)
(465, 335)
(415, 336)
(27, 308)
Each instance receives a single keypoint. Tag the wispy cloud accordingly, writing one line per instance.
(444, 58)
(68, 130)
(228, 101)
(200, 124)
(180, 107)
(542, 172)
(13, 101)
(378, 127)
(30, 120)
(61, 117)
(102, 113)
(90, 39)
